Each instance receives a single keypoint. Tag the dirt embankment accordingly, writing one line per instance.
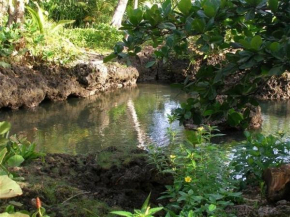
(23, 86)
(87, 186)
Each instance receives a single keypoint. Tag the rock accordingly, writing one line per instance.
(242, 210)
(25, 86)
(278, 87)
(270, 211)
(278, 183)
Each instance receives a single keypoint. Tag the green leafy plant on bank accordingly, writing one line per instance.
(14, 151)
(45, 39)
(257, 49)
(258, 153)
(9, 40)
(202, 183)
(145, 211)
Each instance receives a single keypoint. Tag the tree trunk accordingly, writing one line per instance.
(119, 12)
(16, 12)
(3, 10)
(135, 4)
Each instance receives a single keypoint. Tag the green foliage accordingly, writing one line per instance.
(103, 36)
(83, 12)
(202, 182)
(258, 153)
(9, 40)
(252, 34)
(14, 151)
(145, 211)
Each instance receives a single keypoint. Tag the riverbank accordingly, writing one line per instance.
(91, 185)
(27, 85)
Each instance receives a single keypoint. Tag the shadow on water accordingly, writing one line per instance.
(125, 118)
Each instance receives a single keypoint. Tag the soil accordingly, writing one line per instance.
(84, 186)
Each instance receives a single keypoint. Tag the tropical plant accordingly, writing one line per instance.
(14, 151)
(251, 34)
(45, 40)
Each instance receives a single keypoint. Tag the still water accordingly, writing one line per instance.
(124, 118)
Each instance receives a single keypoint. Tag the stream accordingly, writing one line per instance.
(124, 118)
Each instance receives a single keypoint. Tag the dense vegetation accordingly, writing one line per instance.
(252, 35)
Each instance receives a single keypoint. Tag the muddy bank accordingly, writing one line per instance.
(24, 86)
(28, 86)
(91, 185)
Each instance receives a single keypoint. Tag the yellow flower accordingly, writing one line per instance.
(200, 129)
(187, 179)
(172, 156)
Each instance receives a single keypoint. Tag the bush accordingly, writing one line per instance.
(258, 153)
(202, 183)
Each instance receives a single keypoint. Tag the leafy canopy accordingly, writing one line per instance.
(253, 34)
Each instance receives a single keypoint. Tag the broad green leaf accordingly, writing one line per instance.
(4, 127)
(212, 207)
(9, 188)
(3, 152)
(154, 210)
(122, 213)
(245, 43)
(15, 161)
(109, 57)
(278, 70)
(134, 15)
(184, 6)
(209, 11)
(167, 25)
(150, 64)
(198, 25)
(274, 47)
(256, 42)
(273, 5)
(3, 141)
(16, 214)
(234, 118)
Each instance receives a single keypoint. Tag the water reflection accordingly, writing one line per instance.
(276, 116)
(123, 118)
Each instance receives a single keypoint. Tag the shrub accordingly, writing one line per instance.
(202, 182)
(258, 153)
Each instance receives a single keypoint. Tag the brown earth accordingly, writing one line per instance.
(24, 86)
(82, 186)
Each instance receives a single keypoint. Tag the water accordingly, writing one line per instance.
(124, 118)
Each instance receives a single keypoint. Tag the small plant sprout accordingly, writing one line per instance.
(145, 211)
